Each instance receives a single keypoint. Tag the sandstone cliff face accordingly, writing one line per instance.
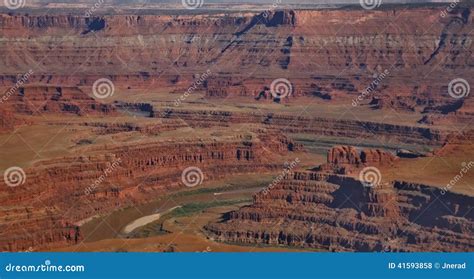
(329, 210)
(133, 51)
(7, 121)
(455, 141)
(59, 193)
(47, 99)
(244, 52)
(310, 125)
(349, 155)
(337, 213)
(347, 159)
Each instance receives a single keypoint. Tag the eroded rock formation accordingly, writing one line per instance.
(7, 121)
(346, 159)
(338, 213)
(325, 59)
(50, 99)
(312, 125)
(134, 50)
(61, 192)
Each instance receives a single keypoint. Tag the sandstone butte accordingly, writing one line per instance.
(230, 124)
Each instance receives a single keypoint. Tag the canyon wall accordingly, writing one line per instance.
(308, 125)
(49, 64)
(244, 52)
(7, 121)
(59, 193)
(338, 213)
(35, 100)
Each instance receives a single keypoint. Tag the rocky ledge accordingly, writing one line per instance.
(326, 211)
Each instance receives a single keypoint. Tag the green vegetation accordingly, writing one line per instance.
(232, 186)
(193, 208)
(106, 227)
(320, 145)
(156, 228)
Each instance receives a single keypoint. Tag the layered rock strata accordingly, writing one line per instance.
(61, 192)
(353, 48)
(347, 159)
(338, 213)
(309, 125)
(33, 100)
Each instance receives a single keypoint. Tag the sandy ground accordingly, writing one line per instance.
(186, 235)
(140, 222)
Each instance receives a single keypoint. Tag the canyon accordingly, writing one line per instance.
(336, 212)
(201, 91)
(135, 173)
